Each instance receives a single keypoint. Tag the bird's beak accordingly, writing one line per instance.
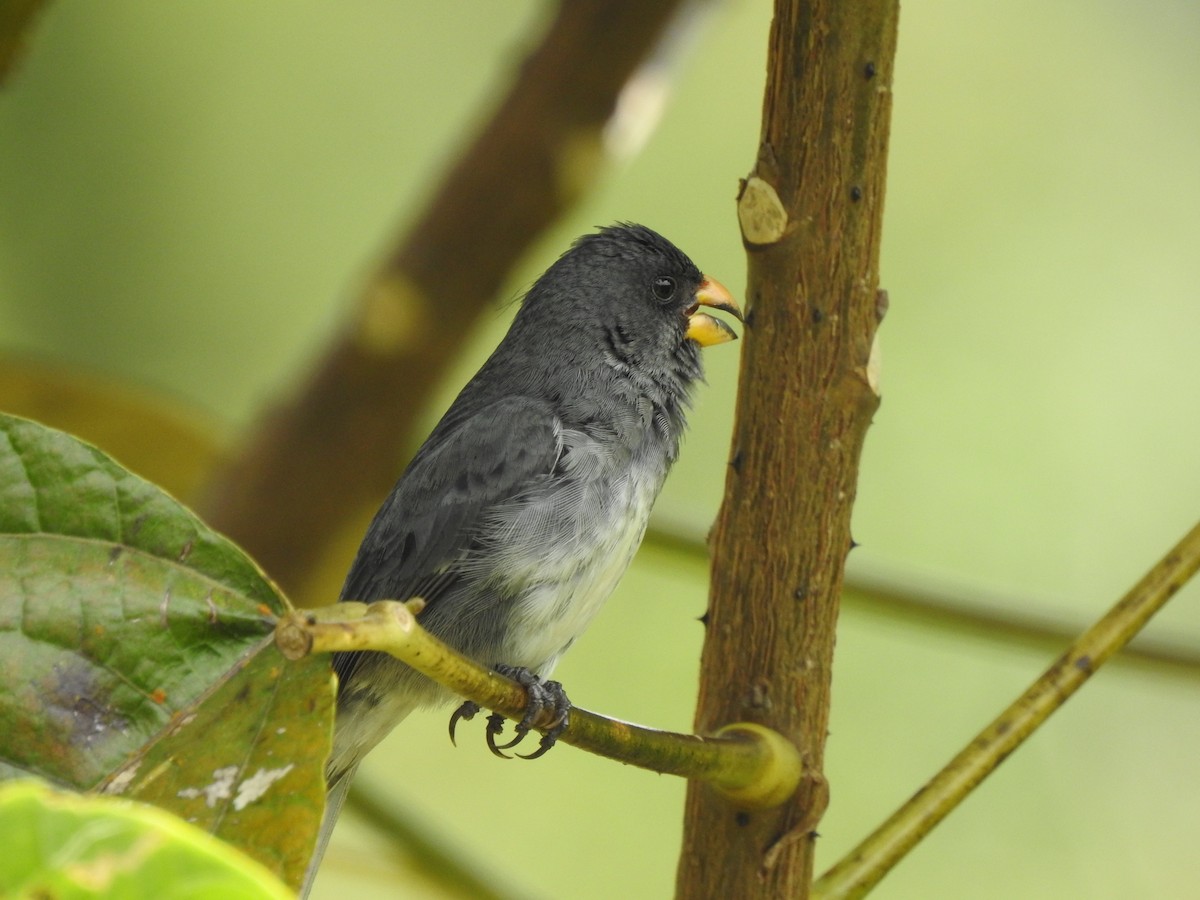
(703, 328)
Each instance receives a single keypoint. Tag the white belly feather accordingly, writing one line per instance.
(571, 556)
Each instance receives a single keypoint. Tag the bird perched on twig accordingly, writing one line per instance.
(521, 511)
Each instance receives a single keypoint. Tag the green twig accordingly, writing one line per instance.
(752, 766)
(863, 867)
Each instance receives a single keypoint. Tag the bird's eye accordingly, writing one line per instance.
(664, 288)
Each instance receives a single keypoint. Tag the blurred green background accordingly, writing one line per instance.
(190, 193)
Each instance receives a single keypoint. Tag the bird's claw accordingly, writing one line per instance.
(518, 735)
(542, 695)
(465, 712)
(549, 739)
(495, 725)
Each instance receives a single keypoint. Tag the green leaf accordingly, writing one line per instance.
(71, 847)
(135, 654)
(118, 607)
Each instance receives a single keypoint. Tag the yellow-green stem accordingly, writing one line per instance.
(756, 768)
(862, 868)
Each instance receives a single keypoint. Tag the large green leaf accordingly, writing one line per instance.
(117, 607)
(135, 654)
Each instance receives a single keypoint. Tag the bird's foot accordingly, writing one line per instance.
(542, 696)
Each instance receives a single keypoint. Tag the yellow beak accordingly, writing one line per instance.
(703, 328)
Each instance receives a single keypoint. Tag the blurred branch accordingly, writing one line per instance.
(918, 604)
(745, 763)
(335, 448)
(862, 868)
(1006, 622)
(432, 856)
(811, 213)
(16, 23)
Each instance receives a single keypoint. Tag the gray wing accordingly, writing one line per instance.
(435, 511)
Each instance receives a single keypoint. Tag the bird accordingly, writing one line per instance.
(521, 511)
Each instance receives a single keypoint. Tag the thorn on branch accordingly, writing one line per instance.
(881, 304)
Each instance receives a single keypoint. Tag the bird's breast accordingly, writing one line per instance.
(567, 553)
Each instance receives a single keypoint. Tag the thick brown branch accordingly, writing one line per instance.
(335, 449)
(811, 213)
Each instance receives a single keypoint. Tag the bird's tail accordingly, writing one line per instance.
(333, 808)
(359, 727)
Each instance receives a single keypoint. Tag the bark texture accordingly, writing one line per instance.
(811, 215)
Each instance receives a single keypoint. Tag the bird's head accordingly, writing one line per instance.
(630, 297)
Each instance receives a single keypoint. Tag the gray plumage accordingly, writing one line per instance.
(521, 511)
